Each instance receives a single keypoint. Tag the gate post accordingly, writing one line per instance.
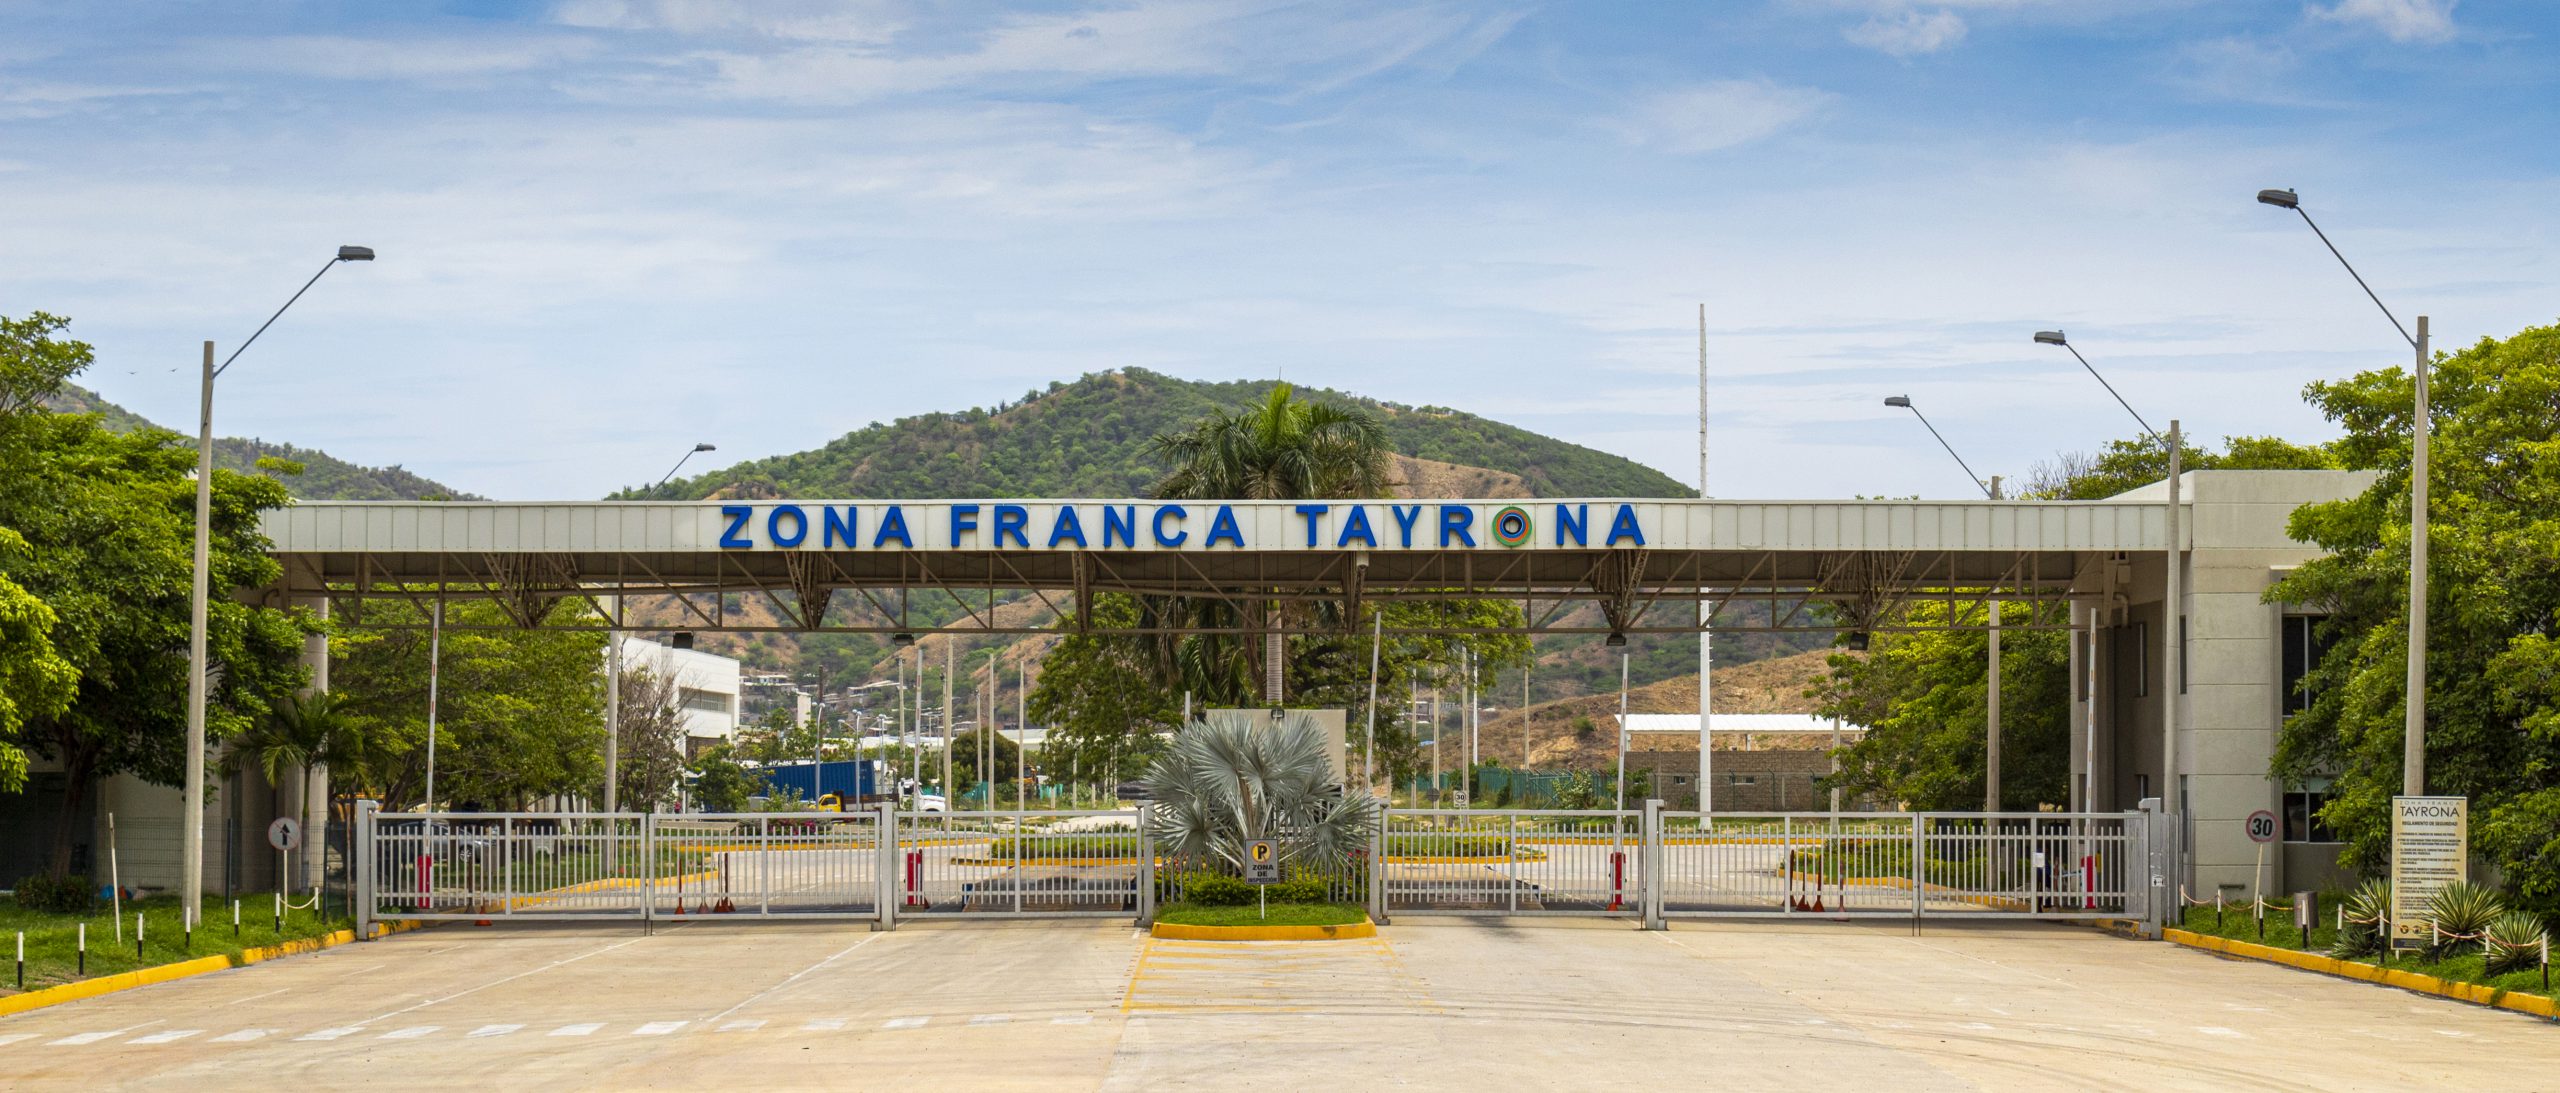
(647, 868)
(1919, 872)
(1378, 868)
(365, 855)
(1649, 860)
(1146, 866)
(2155, 857)
(885, 867)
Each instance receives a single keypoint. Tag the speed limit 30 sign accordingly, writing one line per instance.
(2262, 826)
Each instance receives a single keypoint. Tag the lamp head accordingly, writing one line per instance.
(706, 447)
(2050, 337)
(902, 640)
(2282, 199)
(355, 254)
(1903, 401)
(1616, 640)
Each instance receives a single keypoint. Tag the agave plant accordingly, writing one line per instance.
(2366, 907)
(2515, 943)
(1238, 776)
(2458, 909)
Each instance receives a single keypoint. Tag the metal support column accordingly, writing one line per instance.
(1146, 865)
(1649, 860)
(885, 867)
(365, 856)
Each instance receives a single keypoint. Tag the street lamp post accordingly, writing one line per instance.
(2413, 743)
(1991, 695)
(613, 671)
(2169, 746)
(191, 856)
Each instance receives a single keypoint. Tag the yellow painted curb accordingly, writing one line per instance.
(163, 973)
(1175, 931)
(2474, 993)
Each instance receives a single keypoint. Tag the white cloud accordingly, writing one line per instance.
(2240, 69)
(1714, 116)
(420, 58)
(2399, 20)
(1908, 33)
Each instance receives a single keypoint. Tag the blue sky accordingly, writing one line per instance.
(612, 228)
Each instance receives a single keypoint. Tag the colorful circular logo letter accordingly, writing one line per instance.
(1511, 526)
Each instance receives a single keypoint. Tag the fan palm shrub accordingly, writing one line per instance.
(2366, 908)
(2515, 943)
(2458, 910)
(1235, 777)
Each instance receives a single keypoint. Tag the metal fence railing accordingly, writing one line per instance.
(883, 865)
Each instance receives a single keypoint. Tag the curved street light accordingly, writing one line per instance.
(2413, 753)
(191, 793)
(2054, 337)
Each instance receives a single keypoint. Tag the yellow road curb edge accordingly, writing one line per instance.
(2473, 993)
(163, 973)
(1175, 931)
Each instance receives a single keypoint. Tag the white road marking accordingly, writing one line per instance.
(14, 1037)
(991, 1019)
(1977, 1025)
(244, 1036)
(2217, 1030)
(823, 1024)
(170, 1036)
(788, 980)
(411, 1033)
(742, 1026)
(330, 1033)
(492, 1030)
(905, 1022)
(1072, 1019)
(576, 1030)
(659, 1028)
(509, 979)
(78, 1038)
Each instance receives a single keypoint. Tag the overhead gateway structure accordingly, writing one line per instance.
(2095, 569)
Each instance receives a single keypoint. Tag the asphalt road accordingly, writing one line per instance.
(1431, 1004)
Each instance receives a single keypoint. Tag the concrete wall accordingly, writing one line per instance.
(2231, 708)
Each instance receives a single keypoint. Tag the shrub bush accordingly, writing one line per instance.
(1216, 890)
(69, 895)
(2460, 909)
(1303, 888)
(2366, 907)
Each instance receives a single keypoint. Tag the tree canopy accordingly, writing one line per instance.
(103, 523)
(2493, 667)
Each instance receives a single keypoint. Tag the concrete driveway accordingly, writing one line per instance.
(1429, 1005)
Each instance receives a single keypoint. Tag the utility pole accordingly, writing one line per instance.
(2172, 618)
(1991, 696)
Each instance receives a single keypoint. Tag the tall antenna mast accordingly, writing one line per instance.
(1706, 611)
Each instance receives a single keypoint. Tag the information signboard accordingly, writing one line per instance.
(2430, 848)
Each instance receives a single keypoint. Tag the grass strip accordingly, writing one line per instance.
(53, 955)
(1281, 914)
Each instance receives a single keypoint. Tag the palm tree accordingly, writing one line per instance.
(302, 734)
(1282, 449)
(1235, 777)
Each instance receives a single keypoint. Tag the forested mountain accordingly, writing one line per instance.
(324, 477)
(1088, 439)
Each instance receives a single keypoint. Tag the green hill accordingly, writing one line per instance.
(1088, 439)
(324, 477)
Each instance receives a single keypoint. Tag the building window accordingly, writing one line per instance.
(704, 701)
(2303, 647)
(1742, 779)
(2302, 823)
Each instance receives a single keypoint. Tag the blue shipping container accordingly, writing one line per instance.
(852, 780)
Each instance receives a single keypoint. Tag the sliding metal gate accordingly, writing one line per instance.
(883, 865)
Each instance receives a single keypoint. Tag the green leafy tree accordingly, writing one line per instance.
(107, 522)
(650, 757)
(34, 680)
(1232, 778)
(1925, 700)
(520, 712)
(1924, 696)
(720, 784)
(2493, 668)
